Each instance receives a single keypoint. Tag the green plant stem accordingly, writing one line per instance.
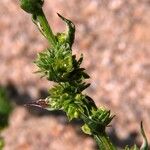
(45, 29)
(103, 142)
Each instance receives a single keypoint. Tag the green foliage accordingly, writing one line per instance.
(132, 148)
(5, 108)
(58, 64)
(1, 143)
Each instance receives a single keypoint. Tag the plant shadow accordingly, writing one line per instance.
(24, 98)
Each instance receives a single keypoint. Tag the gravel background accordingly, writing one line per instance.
(113, 35)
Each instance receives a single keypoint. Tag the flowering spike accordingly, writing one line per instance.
(58, 64)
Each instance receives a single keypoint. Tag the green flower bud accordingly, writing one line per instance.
(32, 6)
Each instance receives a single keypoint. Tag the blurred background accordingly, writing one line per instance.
(113, 35)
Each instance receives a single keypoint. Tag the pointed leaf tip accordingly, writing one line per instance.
(70, 33)
(144, 145)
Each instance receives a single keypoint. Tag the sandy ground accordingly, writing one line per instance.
(113, 35)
